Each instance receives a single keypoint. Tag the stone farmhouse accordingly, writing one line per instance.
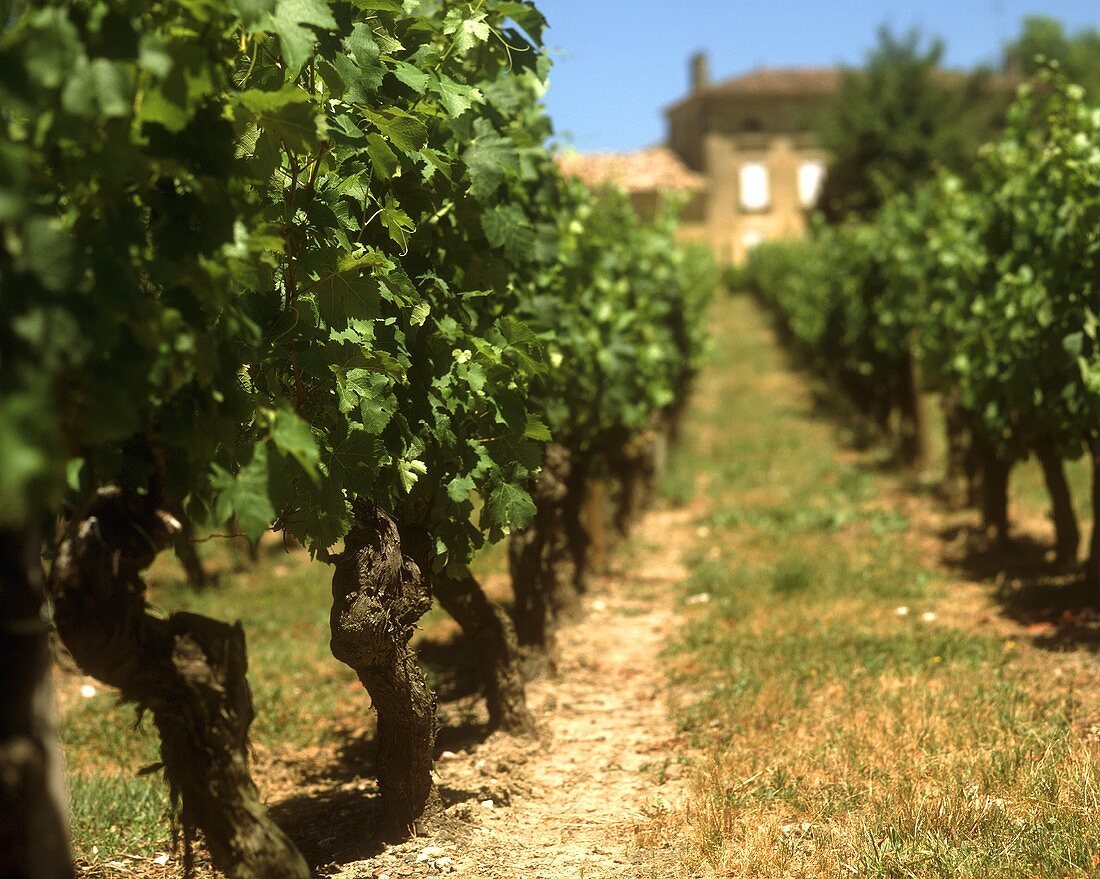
(742, 154)
(752, 139)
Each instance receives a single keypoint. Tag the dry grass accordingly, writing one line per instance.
(837, 737)
(308, 706)
(830, 736)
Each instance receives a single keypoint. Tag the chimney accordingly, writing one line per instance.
(700, 71)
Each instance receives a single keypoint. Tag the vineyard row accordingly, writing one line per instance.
(983, 289)
(303, 265)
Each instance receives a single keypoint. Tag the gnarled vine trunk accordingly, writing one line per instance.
(488, 630)
(34, 832)
(1067, 539)
(1092, 565)
(634, 468)
(492, 636)
(876, 404)
(995, 470)
(541, 558)
(959, 477)
(586, 522)
(188, 670)
(911, 421)
(378, 595)
(675, 415)
(184, 545)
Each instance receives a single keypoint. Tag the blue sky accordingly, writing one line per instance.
(619, 62)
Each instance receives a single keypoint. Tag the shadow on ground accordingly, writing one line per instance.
(336, 819)
(1055, 605)
(1058, 610)
(970, 551)
(343, 822)
(336, 826)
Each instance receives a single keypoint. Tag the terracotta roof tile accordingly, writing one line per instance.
(781, 81)
(815, 82)
(653, 170)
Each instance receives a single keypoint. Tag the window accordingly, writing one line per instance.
(755, 195)
(751, 239)
(810, 177)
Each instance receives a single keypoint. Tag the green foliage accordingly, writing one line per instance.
(387, 311)
(994, 285)
(792, 277)
(895, 121)
(1022, 343)
(1043, 40)
(120, 330)
(623, 320)
(268, 259)
(831, 296)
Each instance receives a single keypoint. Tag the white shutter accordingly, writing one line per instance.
(755, 194)
(810, 177)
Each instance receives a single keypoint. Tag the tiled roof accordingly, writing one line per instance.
(653, 170)
(816, 82)
(781, 81)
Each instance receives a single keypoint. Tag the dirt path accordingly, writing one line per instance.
(604, 791)
(569, 806)
(581, 803)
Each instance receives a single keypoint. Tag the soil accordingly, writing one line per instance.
(595, 794)
(604, 767)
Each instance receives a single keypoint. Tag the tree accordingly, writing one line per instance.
(1045, 38)
(893, 122)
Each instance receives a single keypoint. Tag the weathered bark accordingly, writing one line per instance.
(973, 465)
(378, 595)
(490, 633)
(541, 558)
(995, 469)
(34, 833)
(585, 513)
(911, 419)
(852, 388)
(633, 466)
(1067, 538)
(183, 542)
(488, 630)
(958, 475)
(188, 670)
(1092, 565)
(675, 416)
(878, 405)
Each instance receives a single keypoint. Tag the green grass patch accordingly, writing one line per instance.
(115, 816)
(305, 700)
(843, 729)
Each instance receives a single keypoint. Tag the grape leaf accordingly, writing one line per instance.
(509, 505)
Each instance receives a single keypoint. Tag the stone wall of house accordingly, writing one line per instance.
(747, 205)
(753, 141)
(758, 155)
